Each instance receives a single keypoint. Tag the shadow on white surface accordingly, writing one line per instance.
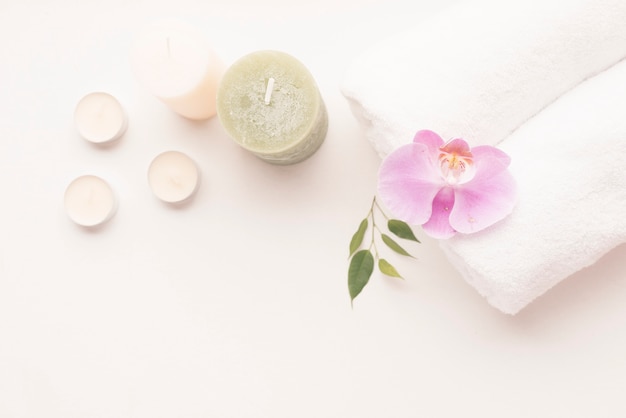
(600, 287)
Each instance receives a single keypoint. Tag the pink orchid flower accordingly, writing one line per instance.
(447, 187)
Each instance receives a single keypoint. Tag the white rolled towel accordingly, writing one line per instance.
(480, 69)
(463, 77)
(569, 165)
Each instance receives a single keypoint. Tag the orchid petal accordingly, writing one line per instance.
(429, 138)
(489, 161)
(408, 182)
(459, 147)
(482, 202)
(438, 226)
(488, 150)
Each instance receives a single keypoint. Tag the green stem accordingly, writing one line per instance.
(374, 228)
(375, 202)
(372, 206)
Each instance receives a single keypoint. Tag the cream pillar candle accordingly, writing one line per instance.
(89, 201)
(174, 61)
(100, 118)
(269, 103)
(173, 177)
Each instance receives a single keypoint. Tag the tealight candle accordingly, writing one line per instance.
(90, 201)
(173, 177)
(175, 62)
(100, 118)
(269, 103)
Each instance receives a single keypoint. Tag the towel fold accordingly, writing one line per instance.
(569, 165)
(480, 71)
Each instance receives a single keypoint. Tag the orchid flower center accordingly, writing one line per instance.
(456, 162)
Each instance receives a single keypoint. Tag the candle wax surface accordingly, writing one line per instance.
(100, 118)
(89, 201)
(173, 176)
(269, 103)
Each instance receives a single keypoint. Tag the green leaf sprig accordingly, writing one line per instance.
(363, 260)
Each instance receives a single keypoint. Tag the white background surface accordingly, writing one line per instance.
(236, 305)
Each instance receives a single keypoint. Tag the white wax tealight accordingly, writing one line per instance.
(173, 177)
(172, 60)
(100, 118)
(90, 201)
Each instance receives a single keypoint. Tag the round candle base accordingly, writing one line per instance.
(173, 177)
(304, 149)
(100, 118)
(269, 103)
(90, 201)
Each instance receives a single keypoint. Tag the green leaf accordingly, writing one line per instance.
(388, 269)
(394, 245)
(359, 272)
(357, 238)
(401, 230)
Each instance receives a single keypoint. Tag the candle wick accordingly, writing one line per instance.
(268, 90)
(175, 178)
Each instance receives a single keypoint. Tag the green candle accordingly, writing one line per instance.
(269, 103)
